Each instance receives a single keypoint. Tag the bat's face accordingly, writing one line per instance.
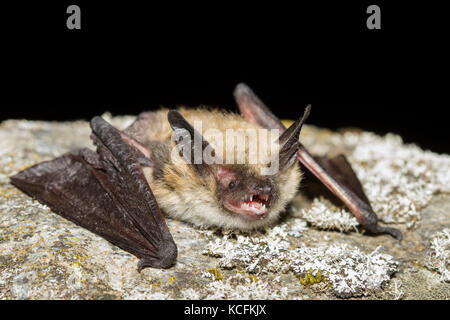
(238, 186)
(246, 195)
(244, 199)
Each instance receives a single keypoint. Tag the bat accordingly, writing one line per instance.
(162, 163)
(333, 178)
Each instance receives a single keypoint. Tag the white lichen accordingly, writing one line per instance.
(438, 257)
(349, 271)
(395, 290)
(239, 287)
(399, 179)
(324, 215)
(256, 249)
(140, 293)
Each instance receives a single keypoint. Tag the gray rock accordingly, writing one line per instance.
(314, 253)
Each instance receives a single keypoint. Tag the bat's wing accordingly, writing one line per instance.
(335, 174)
(105, 192)
(341, 170)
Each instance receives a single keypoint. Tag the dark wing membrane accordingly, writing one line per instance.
(342, 171)
(105, 192)
(336, 175)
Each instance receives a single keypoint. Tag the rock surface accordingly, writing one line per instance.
(315, 252)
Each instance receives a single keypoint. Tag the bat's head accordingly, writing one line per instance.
(242, 185)
(244, 193)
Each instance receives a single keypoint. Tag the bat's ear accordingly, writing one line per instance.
(193, 147)
(253, 109)
(289, 141)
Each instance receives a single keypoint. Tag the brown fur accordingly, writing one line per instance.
(182, 192)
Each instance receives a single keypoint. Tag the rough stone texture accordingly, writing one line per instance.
(316, 252)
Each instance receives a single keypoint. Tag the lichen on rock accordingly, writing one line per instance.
(324, 215)
(438, 257)
(43, 256)
(349, 271)
(399, 179)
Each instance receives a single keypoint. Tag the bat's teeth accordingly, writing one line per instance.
(251, 198)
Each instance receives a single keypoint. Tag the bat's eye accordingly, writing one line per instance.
(232, 185)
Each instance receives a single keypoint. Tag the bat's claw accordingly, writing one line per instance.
(397, 234)
(166, 257)
(143, 263)
(374, 228)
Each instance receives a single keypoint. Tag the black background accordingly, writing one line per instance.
(129, 57)
(331, 309)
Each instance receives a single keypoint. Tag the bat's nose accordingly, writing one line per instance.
(265, 189)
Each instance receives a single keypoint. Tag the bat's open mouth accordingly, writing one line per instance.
(255, 206)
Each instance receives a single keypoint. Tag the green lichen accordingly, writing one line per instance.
(253, 278)
(216, 273)
(312, 277)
